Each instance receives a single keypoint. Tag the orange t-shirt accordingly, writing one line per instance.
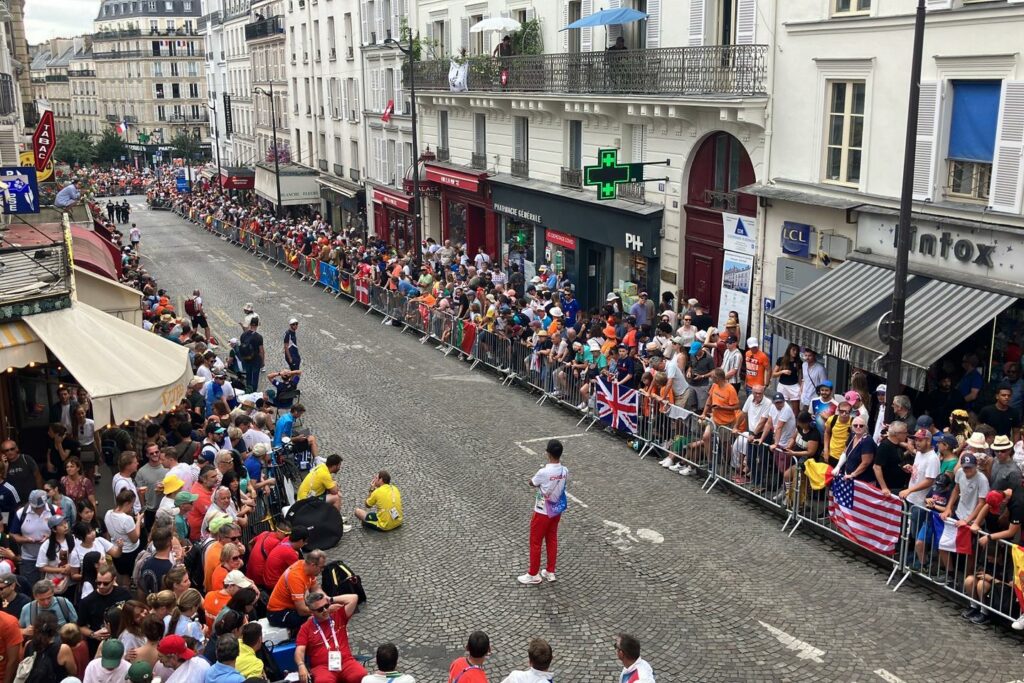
(292, 586)
(217, 580)
(213, 603)
(757, 363)
(211, 560)
(723, 396)
(10, 634)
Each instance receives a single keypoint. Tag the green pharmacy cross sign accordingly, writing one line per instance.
(608, 174)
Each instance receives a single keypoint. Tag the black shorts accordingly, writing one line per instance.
(199, 321)
(125, 562)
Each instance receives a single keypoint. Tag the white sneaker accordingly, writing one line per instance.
(582, 406)
(675, 468)
(686, 471)
(529, 579)
(545, 574)
(1019, 624)
(667, 462)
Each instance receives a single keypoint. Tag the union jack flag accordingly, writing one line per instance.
(617, 405)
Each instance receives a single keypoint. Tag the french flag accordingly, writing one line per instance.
(952, 538)
(122, 127)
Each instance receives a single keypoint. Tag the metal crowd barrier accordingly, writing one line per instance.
(719, 454)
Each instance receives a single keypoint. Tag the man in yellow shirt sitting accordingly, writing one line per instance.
(387, 501)
(319, 483)
(249, 663)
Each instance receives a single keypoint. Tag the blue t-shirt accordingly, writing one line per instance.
(283, 428)
(972, 380)
(570, 308)
(254, 467)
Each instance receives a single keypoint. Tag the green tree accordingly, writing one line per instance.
(74, 147)
(185, 146)
(111, 147)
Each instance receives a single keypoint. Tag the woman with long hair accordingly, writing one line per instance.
(83, 430)
(88, 542)
(133, 613)
(230, 558)
(125, 526)
(186, 619)
(177, 581)
(789, 373)
(77, 482)
(87, 514)
(53, 561)
(54, 660)
(153, 630)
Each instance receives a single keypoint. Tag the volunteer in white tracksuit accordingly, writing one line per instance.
(539, 653)
(634, 668)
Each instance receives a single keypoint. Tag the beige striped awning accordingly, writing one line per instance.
(19, 346)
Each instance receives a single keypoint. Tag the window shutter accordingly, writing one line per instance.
(378, 17)
(746, 22)
(1008, 165)
(565, 22)
(364, 16)
(518, 133)
(400, 165)
(654, 24)
(614, 30)
(639, 139)
(932, 5)
(355, 99)
(375, 88)
(531, 14)
(586, 34)
(695, 35)
(447, 39)
(489, 39)
(396, 19)
(329, 109)
(465, 33)
(344, 101)
(400, 107)
(927, 128)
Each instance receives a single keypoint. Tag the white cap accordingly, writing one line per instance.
(881, 389)
(752, 342)
(247, 308)
(293, 321)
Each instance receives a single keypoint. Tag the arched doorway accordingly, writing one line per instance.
(719, 167)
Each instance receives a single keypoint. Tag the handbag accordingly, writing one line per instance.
(25, 667)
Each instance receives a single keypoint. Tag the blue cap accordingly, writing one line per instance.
(695, 347)
(951, 441)
(967, 459)
(826, 383)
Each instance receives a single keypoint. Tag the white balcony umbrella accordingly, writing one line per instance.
(500, 24)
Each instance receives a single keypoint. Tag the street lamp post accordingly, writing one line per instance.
(273, 133)
(216, 138)
(894, 331)
(416, 199)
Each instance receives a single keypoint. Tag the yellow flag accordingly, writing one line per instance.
(818, 474)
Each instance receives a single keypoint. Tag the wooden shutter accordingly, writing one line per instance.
(396, 19)
(518, 133)
(355, 99)
(746, 22)
(399, 93)
(344, 100)
(565, 22)
(329, 109)
(1008, 165)
(531, 14)
(932, 5)
(639, 138)
(927, 130)
(653, 24)
(447, 39)
(614, 30)
(695, 32)
(378, 17)
(375, 89)
(586, 34)
(364, 18)
(465, 34)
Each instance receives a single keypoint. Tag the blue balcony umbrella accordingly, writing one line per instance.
(608, 17)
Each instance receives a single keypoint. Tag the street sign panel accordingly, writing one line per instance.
(44, 139)
(182, 184)
(20, 189)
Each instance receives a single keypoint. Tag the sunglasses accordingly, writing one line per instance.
(322, 608)
(844, 412)
(234, 538)
(236, 557)
(104, 583)
(858, 426)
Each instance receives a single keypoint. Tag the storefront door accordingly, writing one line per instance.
(596, 265)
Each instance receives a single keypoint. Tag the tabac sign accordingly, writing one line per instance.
(43, 140)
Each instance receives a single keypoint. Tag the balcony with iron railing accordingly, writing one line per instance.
(521, 168)
(353, 175)
(322, 164)
(737, 70)
(34, 269)
(121, 54)
(264, 28)
(188, 118)
(56, 78)
(115, 34)
(631, 192)
(443, 154)
(478, 161)
(572, 177)
(339, 170)
(81, 73)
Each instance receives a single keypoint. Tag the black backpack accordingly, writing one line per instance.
(247, 348)
(193, 562)
(338, 579)
(322, 519)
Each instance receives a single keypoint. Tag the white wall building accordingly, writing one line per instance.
(691, 88)
(831, 178)
(325, 77)
(211, 27)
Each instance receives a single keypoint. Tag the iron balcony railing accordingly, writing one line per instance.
(339, 170)
(478, 161)
(264, 28)
(33, 272)
(706, 70)
(321, 164)
(572, 177)
(187, 118)
(81, 72)
(56, 78)
(122, 33)
(521, 168)
(443, 154)
(723, 201)
(353, 175)
(632, 192)
(123, 54)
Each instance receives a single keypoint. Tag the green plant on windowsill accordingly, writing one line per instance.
(528, 39)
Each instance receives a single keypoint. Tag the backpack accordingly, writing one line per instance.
(190, 307)
(338, 579)
(193, 562)
(140, 561)
(247, 349)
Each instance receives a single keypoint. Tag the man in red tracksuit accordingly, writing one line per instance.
(549, 503)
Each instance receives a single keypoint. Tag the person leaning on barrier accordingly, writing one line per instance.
(806, 446)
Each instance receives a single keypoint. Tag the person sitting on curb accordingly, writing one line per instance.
(387, 501)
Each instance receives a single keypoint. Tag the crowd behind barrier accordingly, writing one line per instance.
(983, 578)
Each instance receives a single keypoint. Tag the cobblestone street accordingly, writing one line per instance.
(708, 582)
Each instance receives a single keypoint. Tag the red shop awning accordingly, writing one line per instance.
(448, 177)
(89, 249)
(238, 178)
(392, 198)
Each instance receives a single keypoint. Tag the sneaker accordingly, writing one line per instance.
(529, 579)
(675, 468)
(667, 462)
(981, 618)
(1019, 624)
(686, 471)
(582, 405)
(969, 613)
(545, 574)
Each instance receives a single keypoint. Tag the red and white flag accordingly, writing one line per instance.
(388, 111)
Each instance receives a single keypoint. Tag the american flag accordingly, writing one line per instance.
(617, 405)
(865, 515)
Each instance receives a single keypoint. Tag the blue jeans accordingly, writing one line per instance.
(919, 516)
